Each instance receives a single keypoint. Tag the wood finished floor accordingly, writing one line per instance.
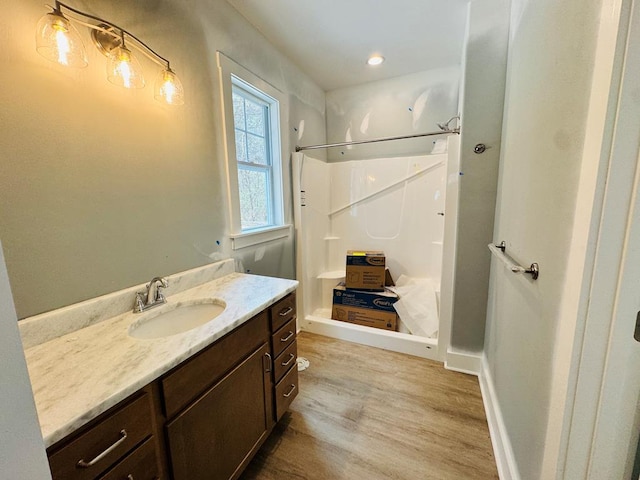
(368, 414)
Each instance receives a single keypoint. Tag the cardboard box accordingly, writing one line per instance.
(371, 309)
(365, 270)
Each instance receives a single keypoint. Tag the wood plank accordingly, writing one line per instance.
(368, 413)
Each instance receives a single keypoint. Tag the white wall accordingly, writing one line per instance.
(550, 66)
(404, 105)
(22, 453)
(400, 219)
(102, 188)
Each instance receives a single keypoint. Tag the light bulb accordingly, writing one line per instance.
(168, 88)
(123, 69)
(57, 40)
(375, 60)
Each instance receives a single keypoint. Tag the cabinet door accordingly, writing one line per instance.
(216, 436)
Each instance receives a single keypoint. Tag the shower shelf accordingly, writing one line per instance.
(332, 275)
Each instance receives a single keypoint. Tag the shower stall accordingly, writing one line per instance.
(404, 206)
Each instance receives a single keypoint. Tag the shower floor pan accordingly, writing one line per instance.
(320, 322)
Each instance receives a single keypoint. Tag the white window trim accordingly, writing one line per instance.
(228, 69)
(248, 239)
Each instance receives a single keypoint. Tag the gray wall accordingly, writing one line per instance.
(103, 188)
(551, 54)
(22, 453)
(482, 99)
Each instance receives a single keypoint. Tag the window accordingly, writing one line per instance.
(252, 113)
(251, 120)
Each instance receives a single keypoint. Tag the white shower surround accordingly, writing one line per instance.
(342, 210)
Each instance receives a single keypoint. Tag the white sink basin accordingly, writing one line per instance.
(173, 319)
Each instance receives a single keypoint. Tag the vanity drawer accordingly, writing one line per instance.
(285, 361)
(283, 337)
(283, 311)
(286, 391)
(194, 376)
(141, 464)
(104, 443)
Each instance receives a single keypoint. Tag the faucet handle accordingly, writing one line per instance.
(139, 302)
(163, 283)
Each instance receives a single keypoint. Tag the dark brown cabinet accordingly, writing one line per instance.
(216, 436)
(110, 439)
(282, 316)
(204, 419)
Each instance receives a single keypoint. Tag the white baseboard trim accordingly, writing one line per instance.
(469, 363)
(502, 450)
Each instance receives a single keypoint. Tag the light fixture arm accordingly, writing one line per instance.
(138, 44)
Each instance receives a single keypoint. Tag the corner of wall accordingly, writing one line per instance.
(463, 362)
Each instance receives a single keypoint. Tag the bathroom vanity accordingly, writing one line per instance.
(200, 410)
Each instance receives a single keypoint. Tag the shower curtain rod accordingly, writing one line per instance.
(385, 139)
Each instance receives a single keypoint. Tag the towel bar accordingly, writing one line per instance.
(500, 252)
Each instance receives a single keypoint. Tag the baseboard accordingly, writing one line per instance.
(470, 363)
(502, 450)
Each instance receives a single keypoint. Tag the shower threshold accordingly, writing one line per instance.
(320, 322)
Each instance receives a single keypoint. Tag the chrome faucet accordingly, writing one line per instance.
(152, 297)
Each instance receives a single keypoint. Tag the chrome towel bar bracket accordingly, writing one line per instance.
(500, 252)
(533, 270)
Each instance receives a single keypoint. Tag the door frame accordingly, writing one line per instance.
(600, 431)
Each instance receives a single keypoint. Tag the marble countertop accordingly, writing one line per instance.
(81, 374)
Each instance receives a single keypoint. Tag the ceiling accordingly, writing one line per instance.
(330, 40)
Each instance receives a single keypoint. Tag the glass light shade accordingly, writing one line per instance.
(123, 69)
(57, 40)
(168, 88)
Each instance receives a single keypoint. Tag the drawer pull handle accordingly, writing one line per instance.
(286, 312)
(288, 337)
(288, 394)
(130, 477)
(291, 357)
(123, 437)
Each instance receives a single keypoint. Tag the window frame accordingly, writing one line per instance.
(231, 73)
(250, 93)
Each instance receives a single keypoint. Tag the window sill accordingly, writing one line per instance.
(249, 239)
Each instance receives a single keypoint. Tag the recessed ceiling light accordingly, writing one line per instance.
(375, 60)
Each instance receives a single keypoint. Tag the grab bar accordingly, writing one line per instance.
(500, 252)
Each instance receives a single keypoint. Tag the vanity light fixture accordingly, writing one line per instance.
(375, 60)
(59, 41)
